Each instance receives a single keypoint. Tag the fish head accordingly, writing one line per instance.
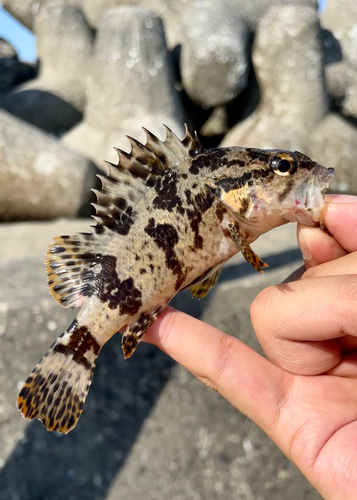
(267, 188)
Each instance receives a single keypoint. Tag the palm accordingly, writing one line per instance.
(319, 428)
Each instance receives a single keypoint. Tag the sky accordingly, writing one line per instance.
(24, 41)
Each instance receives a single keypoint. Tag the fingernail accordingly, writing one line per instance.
(340, 198)
(302, 243)
(305, 236)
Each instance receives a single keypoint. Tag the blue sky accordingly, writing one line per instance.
(24, 41)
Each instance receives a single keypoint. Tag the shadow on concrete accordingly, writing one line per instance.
(230, 273)
(83, 464)
(43, 109)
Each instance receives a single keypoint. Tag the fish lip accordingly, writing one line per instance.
(317, 184)
(324, 178)
(310, 193)
(328, 178)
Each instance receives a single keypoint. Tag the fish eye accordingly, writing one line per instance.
(283, 166)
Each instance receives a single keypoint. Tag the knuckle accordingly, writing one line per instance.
(261, 303)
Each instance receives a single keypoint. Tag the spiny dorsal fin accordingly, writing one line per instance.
(70, 267)
(192, 143)
(135, 172)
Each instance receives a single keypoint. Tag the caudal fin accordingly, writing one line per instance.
(57, 388)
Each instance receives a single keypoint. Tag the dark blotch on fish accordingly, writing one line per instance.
(166, 189)
(166, 237)
(119, 294)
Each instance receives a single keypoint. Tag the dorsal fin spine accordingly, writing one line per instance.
(192, 143)
(136, 171)
(137, 148)
(102, 197)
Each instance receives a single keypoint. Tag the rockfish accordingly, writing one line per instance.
(168, 217)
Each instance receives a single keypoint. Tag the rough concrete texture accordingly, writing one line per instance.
(220, 61)
(6, 50)
(288, 62)
(216, 123)
(339, 18)
(214, 55)
(335, 67)
(132, 80)
(40, 177)
(55, 100)
(94, 10)
(252, 11)
(334, 143)
(149, 428)
(22, 10)
(349, 104)
(172, 12)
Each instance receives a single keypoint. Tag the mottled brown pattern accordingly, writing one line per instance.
(69, 263)
(80, 342)
(168, 216)
(220, 211)
(244, 207)
(134, 333)
(234, 183)
(129, 344)
(284, 193)
(116, 293)
(167, 193)
(166, 237)
(243, 246)
(200, 203)
(212, 159)
(54, 394)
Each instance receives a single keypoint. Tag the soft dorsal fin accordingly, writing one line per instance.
(71, 268)
(135, 172)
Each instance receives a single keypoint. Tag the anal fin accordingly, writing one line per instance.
(134, 333)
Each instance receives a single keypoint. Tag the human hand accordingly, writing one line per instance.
(304, 396)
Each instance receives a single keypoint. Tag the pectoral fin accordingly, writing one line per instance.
(244, 247)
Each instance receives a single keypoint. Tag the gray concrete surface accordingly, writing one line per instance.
(149, 429)
(41, 178)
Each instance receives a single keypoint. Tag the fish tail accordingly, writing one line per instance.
(56, 390)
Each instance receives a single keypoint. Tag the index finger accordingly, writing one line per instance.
(250, 382)
(339, 216)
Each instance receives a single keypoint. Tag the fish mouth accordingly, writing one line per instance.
(310, 194)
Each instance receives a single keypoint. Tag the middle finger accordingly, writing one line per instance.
(343, 265)
(318, 246)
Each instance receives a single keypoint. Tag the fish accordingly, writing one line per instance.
(169, 215)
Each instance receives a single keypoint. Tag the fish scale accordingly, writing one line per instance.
(168, 217)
